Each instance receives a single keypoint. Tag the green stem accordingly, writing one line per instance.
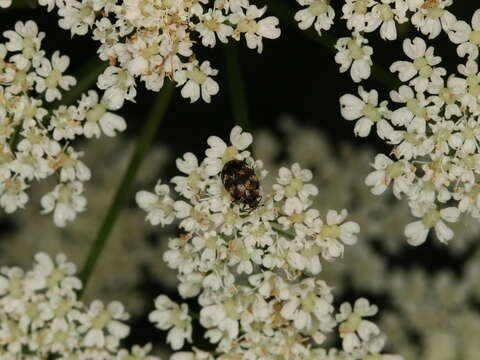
(21, 4)
(236, 86)
(144, 141)
(328, 41)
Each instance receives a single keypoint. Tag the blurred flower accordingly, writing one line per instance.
(40, 314)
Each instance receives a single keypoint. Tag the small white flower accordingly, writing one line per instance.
(431, 17)
(197, 81)
(66, 200)
(219, 153)
(51, 77)
(119, 86)
(423, 65)
(169, 315)
(354, 55)
(27, 39)
(353, 328)
(213, 23)
(467, 37)
(318, 13)
(416, 232)
(367, 112)
(159, 206)
(97, 117)
(246, 23)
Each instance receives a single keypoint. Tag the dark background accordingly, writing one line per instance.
(295, 74)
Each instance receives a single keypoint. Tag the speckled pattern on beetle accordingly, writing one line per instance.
(241, 182)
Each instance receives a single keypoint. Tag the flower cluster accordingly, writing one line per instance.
(433, 129)
(151, 40)
(35, 137)
(416, 297)
(41, 315)
(363, 17)
(133, 257)
(254, 268)
(432, 125)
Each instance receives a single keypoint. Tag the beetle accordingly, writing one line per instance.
(240, 180)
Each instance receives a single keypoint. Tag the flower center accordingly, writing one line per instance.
(229, 154)
(197, 75)
(386, 13)
(330, 231)
(447, 96)
(356, 50)
(28, 47)
(52, 80)
(435, 13)
(468, 133)
(361, 7)
(474, 37)
(211, 25)
(351, 324)
(96, 113)
(431, 218)
(371, 112)
(318, 7)
(394, 170)
(247, 26)
(414, 106)
(101, 320)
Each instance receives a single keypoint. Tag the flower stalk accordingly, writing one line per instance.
(144, 141)
(236, 86)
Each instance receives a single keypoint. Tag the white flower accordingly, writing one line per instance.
(197, 81)
(27, 39)
(387, 14)
(13, 195)
(423, 64)
(103, 326)
(119, 86)
(159, 206)
(97, 117)
(431, 17)
(318, 12)
(66, 200)
(353, 328)
(293, 183)
(387, 170)
(51, 77)
(64, 123)
(416, 232)
(194, 181)
(354, 55)
(5, 3)
(254, 30)
(169, 315)
(219, 153)
(213, 23)
(76, 16)
(368, 112)
(467, 37)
